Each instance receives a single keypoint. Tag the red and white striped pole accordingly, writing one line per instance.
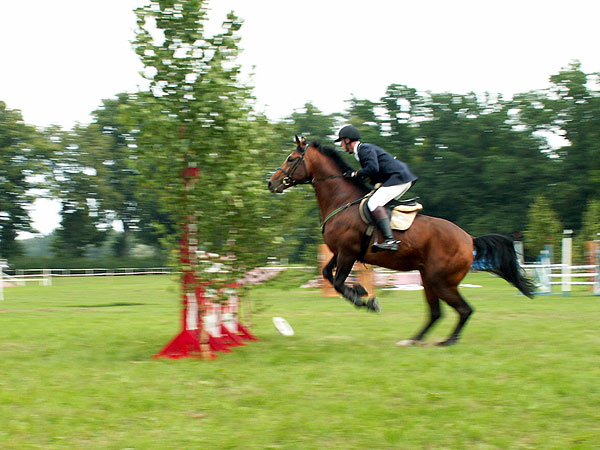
(193, 340)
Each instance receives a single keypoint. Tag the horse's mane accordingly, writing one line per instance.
(335, 156)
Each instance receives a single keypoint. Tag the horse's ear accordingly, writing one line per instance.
(301, 143)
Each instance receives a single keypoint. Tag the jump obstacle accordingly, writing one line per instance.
(566, 274)
(207, 326)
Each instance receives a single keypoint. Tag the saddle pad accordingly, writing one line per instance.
(402, 215)
(402, 221)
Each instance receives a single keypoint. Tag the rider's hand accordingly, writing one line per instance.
(350, 174)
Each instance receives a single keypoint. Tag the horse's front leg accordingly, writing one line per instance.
(328, 269)
(329, 276)
(353, 294)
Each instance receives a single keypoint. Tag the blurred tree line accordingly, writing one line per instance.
(487, 163)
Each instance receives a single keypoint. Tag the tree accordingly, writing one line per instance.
(77, 232)
(590, 230)
(469, 156)
(17, 162)
(200, 114)
(310, 123)
(543, 226)
(362, 114)
(108, 153)
(404, 109)
(570, 108)
(76, 183)
(114, 166)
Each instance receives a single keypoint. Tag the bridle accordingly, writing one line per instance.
(288, 181)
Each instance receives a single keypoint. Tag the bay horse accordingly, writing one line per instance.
(440, 250)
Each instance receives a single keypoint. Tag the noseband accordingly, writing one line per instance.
(288, 180)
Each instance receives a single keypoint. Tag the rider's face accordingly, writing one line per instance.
(345, 144)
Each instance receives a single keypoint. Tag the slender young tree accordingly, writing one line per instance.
(200, 113)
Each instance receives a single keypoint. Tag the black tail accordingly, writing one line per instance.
(496, 254)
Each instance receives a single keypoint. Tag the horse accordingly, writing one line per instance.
(440, 250)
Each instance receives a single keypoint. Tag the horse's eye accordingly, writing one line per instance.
(291, 160)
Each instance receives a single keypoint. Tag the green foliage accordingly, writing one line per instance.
(310, 123)
(76, 233)
(543, 226)
(38, 246)
(591, 221)
(570, 108)
(467, 155)
(17, 163)
(199, 116)
(590, 230)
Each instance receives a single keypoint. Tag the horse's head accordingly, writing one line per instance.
(293, 171)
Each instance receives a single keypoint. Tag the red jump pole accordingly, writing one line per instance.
(192, 340)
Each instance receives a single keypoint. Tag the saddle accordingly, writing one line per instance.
(402, 212)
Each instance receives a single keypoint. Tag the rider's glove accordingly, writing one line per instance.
(350, 174)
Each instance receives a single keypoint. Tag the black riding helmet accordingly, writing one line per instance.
(349, 132)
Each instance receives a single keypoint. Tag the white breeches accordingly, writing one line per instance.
(386, 193)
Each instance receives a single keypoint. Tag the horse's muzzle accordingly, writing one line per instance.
(275, 189)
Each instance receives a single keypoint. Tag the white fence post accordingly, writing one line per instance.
(544, 273)
(519, 251)
(47, 278)
(3, 265)
(567, 246)
(596, 261)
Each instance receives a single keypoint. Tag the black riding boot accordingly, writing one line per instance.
(382, 219)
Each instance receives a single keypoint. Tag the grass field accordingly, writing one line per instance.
(76, 372)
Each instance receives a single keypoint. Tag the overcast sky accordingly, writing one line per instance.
(60, 58)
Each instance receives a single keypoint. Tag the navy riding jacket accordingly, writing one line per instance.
(381, 167)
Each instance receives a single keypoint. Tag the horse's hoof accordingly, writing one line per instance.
(373, 305)
(406, 343)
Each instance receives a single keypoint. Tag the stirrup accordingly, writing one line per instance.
(391, 246)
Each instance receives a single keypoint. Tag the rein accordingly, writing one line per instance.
(339, 210)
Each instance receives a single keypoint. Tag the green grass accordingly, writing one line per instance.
(76, 372)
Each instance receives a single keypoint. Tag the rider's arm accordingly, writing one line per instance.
(368, 161)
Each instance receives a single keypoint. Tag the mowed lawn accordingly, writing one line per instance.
(76, 372)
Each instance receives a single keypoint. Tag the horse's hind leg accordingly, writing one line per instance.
(451, 296)
(435, 313)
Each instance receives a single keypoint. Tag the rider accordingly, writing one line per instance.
(380, 167)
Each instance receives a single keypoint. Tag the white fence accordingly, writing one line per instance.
(44, 276)
(565, 276)
(102, 272)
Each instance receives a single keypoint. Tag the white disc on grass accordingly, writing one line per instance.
(283, 326)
